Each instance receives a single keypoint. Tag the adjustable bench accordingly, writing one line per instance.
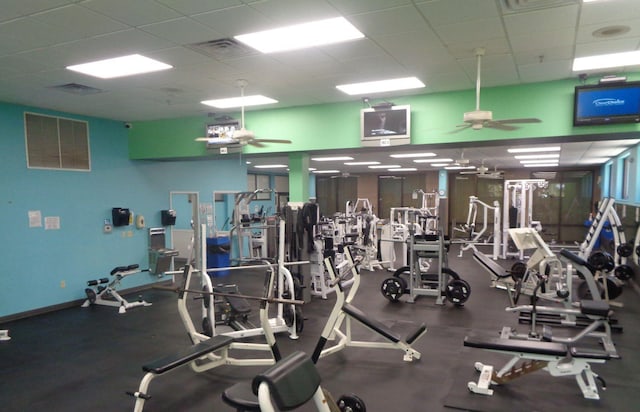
(556, 358)
(173, 361)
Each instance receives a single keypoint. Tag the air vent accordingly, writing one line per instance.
(544, 175)
(516, 6)
(75, 88)
(222, 49)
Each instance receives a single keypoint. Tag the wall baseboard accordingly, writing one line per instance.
(73, 303)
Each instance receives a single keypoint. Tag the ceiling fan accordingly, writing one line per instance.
(478, 119)
(483, 172)
(228, 134)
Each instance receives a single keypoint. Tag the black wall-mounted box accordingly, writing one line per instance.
(168, 217)
(120, 216)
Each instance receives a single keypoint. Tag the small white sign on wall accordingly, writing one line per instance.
(52, 222)
(35, 218)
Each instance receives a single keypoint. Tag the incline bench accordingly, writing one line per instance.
(556, 358)
(173, 361)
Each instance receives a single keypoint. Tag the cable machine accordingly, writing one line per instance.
(518, 210)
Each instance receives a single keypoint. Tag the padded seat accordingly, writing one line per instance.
(577, 260)
(595, 307)
(377, 326)
(515, 345)
(181, 357)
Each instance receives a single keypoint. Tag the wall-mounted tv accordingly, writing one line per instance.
(607, 104)
(391, 124)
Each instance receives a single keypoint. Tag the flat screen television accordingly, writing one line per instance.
(393, 123)
(606, 104)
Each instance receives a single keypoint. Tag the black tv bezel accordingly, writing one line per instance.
(407, 135)
(604, 120)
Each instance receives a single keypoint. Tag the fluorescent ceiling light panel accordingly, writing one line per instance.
(541, 165)
(301, 36)
(403, 169)
(528, 161)
(331, 159)
(379, 86)
(384, 167)
(460, 167)
(404, 155)
(274, 166)
(593, 161)
(534, 149)
(605, 61)
(326, 171)
(120, 66)
(361, 163)
(441, 160)
(539, 156)
(439, 164)
(254, 100)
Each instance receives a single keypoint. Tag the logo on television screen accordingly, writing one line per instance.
(607, 101)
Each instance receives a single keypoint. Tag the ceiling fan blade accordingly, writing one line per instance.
(272, 140)
(499, 125)
(460, 128)
(255, 143)
(523, 120)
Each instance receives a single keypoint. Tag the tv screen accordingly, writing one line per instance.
(606, 104)
(389, 122)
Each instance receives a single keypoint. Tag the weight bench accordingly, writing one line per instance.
(290, 383)
(344, 312)
(173, 361)
(556, 358)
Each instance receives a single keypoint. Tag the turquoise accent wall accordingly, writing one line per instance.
(36, 260)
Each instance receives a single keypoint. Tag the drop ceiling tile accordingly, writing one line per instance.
(473, 32)
(179, 57)
(235, 20)
(605, 12)
(286, 12)
(182, 31)
(79, 21)
(192, 7)
(605, 47)
(385, 22)
(585, 32)
(446, 12)
(546, 71)
(350, 7)
(24, 8)
(533, 22)
(466, 49)
(133, 13)
(546, 54)
(560, 37)
(349, 50)
(28, 34)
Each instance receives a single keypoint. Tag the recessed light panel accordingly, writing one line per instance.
(534, 149)
(228, 103)
(331, 159)
(379, 86)
(120, 67)
(301, 36)
(606, 61)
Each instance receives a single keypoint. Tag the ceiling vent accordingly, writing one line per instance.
(79, 89)
(516, 6)
(222, 49)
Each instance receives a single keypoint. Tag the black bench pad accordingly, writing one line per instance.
(372, 323)
(515, 345)
(595, 307)
(589, 353)
(491, 266)
(196, 351)
(578, 261)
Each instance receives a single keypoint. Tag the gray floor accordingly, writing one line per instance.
(85, 359)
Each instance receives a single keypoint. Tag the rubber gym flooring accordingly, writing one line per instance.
(87, 358)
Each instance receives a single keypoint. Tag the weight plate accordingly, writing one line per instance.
(614, 286)
(458, 291)
(585, 294)
(351, 403)
(403, 271)
(518, 270)
(625, 249)
(451, 273)
(91, 295)
(206, 327)
(393, 288)
(601, 260)
(624, 272)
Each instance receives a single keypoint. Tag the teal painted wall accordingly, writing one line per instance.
(36, 261)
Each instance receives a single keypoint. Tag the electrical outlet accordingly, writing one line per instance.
(63, 284)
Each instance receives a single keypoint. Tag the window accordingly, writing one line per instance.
(255, 182)
(56, 143)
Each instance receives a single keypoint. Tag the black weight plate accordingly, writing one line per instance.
(518, 270)
(601, 260)
(458, 291)
(614, 286)
(206, 327)
(625, 249)
(91, 295)
(403, 271)
(351, 403)
(393, 288)
(624, 272)
(451, 273)
(585, 294)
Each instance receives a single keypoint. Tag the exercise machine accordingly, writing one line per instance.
(344, 314)
(517, 211)
(289, 384)
(103, 291)
(556, 358)
(475, 234)
(428, 273)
